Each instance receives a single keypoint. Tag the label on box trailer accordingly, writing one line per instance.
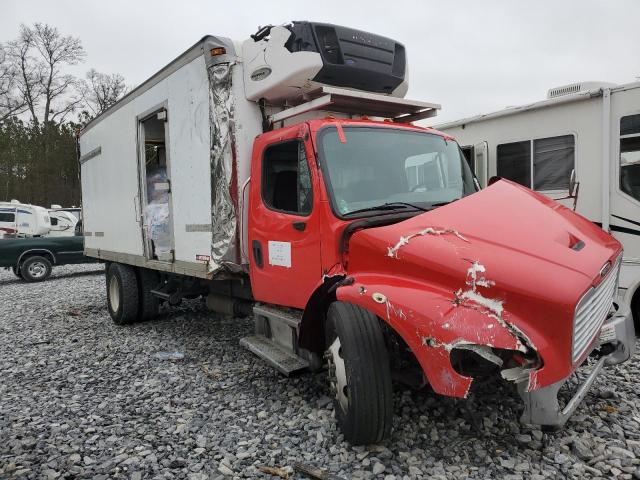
(280, 254)
(203, 258)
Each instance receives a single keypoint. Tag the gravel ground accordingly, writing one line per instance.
(83, 398)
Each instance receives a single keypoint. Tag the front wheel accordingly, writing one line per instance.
(359, 374)
(122, 293)
(35, 269)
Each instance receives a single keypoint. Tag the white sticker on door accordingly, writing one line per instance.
(280, 254)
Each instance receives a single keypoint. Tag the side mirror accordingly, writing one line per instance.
(574, 188)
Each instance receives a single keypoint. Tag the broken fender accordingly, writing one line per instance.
(432, 324)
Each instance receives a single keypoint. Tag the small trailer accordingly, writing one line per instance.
(591, 129)
(282, 177)
(24, 220)
(63, 221)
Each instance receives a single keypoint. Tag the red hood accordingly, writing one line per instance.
(532, 254)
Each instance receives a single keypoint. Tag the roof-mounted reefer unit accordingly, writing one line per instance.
(283, 63)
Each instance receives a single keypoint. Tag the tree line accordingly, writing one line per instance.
(42, 107)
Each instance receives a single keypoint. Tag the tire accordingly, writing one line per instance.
(16, 271)
(360, 374)
(122, 293)
(635, 311)
(148, 303)
(35, 269)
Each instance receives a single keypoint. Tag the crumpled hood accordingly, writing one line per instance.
(530, 256)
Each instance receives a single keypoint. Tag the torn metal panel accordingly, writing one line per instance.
(482, 350)
(393, 251)
(494, 308)
(223, 177)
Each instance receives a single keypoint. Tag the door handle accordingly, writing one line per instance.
(300, 226)
(256, 246)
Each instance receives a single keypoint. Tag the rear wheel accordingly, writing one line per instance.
(149, 304)
(122, 293)
(35, 269)
(359, 373)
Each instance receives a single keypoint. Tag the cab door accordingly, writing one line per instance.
(284, 223)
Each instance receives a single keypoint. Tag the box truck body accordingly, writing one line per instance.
(282, 177)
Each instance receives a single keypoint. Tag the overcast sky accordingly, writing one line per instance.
(472, 56)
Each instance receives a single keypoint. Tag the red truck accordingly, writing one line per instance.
(285, 179)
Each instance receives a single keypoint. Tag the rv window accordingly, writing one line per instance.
(630, 124)
(286, 181)
(7, 217)
(553, 160)
(514, 162)
(630, 155)
(54, 222)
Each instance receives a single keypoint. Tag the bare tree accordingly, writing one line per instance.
(11, 101)
(38, 55)
(27, 69)
(100, 91)
(57, 50)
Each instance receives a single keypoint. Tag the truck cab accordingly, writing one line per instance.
(294, 187)
(310, 181)
(388, 221)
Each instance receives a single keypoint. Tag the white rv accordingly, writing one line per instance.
(592, 128)
(23, 220)
(63, 221)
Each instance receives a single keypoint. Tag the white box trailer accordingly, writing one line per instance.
(283, 177)
(592, 128)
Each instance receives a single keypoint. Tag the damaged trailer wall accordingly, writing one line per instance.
(234, 123)
(224, 199)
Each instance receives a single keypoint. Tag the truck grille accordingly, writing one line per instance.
(592, 311)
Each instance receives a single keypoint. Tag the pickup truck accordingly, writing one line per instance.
(33, 258)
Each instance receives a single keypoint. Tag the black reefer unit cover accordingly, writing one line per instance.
(351, 58)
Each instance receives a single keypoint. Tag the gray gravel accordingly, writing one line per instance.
(83, 398)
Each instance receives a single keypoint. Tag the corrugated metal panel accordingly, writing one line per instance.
(592, 311)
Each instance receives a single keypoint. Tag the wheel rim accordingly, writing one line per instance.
(37, 269)
(338, 374)
(114, 294)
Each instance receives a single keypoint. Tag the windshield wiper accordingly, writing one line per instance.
(388, 206)
(442, 204)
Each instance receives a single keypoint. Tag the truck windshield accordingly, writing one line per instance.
(392, 169)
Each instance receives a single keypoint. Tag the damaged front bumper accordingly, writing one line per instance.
(617, 339)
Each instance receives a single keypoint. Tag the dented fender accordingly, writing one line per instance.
(432, 322)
